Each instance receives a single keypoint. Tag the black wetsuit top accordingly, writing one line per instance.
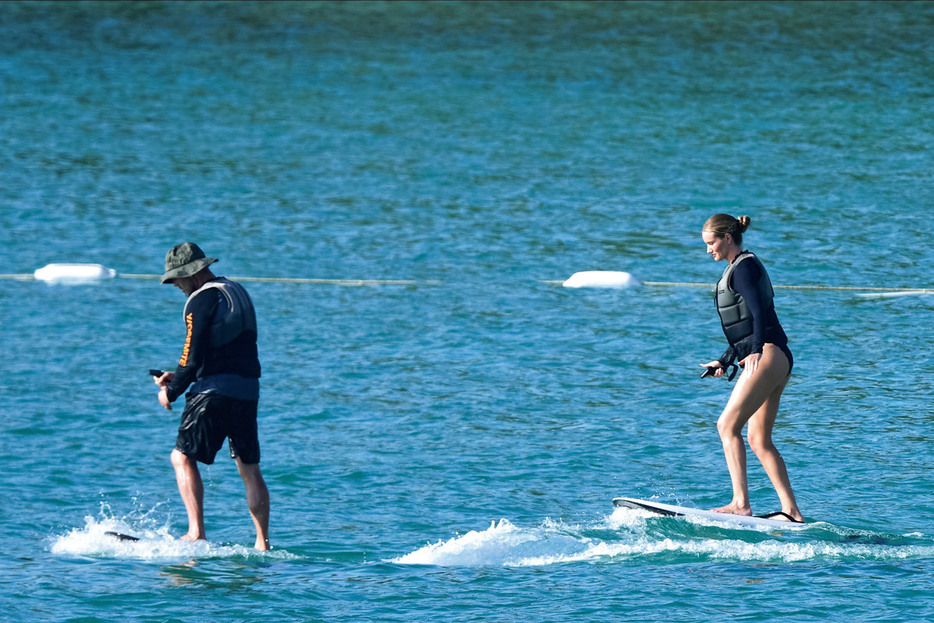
(766, 328)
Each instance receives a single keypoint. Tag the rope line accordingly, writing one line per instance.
(411, 282)
(338, 282)
(801, 287)
(689, 284)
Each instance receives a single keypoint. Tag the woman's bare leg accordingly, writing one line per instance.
(755, 392)
(759, 434)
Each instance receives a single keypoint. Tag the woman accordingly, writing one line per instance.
(758, 342)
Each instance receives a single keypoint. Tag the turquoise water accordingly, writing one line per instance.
(447, 448)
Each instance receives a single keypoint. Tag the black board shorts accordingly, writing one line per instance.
(210, 418)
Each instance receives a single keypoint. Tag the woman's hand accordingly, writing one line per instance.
(750, 363)
(715, 368)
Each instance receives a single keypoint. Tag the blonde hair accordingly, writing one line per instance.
(722, 224)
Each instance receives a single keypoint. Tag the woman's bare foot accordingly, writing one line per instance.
(734, 509)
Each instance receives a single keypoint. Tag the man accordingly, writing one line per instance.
(220, 359)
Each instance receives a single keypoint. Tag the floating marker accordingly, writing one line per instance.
(72, 274)
(883, 295)
(601, 279)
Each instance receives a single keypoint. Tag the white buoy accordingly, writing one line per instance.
(73, 274)
(887, 295)
(601, 279)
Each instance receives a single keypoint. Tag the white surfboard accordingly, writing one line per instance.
(772, 520)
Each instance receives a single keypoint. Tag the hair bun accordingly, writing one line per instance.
(743, 222)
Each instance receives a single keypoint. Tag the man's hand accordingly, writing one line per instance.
(164, 399)
(163, 382)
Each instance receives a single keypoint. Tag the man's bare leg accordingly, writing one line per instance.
(257, 499)
(192, 489)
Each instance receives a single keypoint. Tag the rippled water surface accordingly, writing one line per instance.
(446, 446)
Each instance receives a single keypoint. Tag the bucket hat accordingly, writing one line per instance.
(184, 260)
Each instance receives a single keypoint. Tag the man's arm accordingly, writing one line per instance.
(198, 319)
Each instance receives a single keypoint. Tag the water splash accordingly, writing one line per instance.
(155, 543)
(501, 544)
(628, 535)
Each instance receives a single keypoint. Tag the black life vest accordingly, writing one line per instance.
(735, 315)
(234, 315)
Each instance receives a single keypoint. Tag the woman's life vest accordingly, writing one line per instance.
(735, 316)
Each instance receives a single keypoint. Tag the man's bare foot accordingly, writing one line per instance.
(262, 546)
(734, 509)
(190, 539)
